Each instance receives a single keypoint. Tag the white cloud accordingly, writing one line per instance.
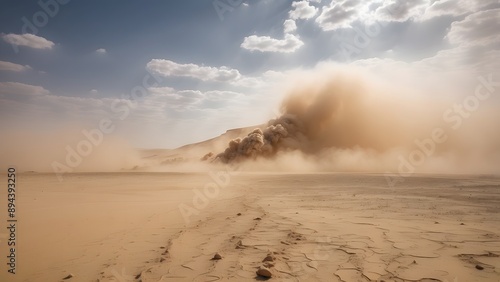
(343, 13)
(289, 44)
(101, 51)
(289, 26)
(8, 66)
(338, 15)
(94, 92)
(302, 10)
(400, 11)
(475, 51)
(455, 7)
(476, 45)
(170, 68)
(28, 40)
(16, 90)
(205, 73)
(481, 28)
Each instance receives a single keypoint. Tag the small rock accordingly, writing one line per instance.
(414, 262)
(257, 218)
(479, 267)
(217, 256)
(268, 258)
(68, 277)
(238, 214)
(264, 272)
(436, 222)
(462, 223)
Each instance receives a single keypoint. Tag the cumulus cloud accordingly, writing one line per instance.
(28, 40)
(101, 51)
(474, 51)
(205, 73)
(302, 10)
(170, 68)
(400, 11)
(8, 66)
(480, 28)
(455, 7)
(289, 26)
(343, 13)
(476, 45)
(289, 44)
(338, 15)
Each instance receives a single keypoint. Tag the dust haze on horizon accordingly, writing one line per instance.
(332, 118)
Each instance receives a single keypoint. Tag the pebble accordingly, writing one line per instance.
(264, 272)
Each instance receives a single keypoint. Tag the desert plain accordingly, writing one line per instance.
(164, 226)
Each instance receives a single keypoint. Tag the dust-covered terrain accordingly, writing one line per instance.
(301, 227)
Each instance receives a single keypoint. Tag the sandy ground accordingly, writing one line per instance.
(312, 227)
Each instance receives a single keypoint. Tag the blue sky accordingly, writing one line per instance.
(208, 63)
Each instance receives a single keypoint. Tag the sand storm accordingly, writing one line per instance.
(343, 119)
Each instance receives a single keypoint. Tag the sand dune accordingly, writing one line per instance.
(312, 227)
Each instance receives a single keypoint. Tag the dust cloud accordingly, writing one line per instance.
(346, 120)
